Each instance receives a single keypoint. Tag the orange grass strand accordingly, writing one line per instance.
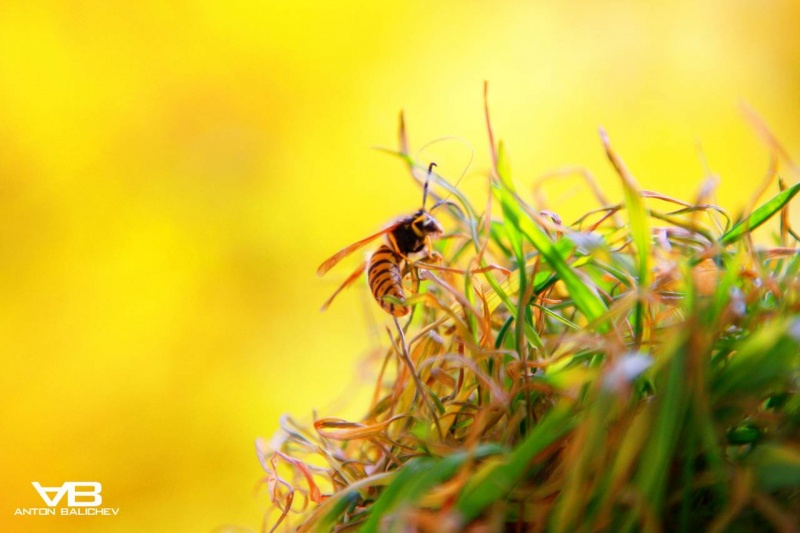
(462, 361)
(402, 136)
(492, 146)
(423, 391)
(769, 138)
(338, 429)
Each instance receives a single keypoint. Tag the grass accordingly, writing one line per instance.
(637, 370)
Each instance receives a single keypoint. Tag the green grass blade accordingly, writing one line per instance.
(668, 415)
(413, 472)
(639, 227)
(760, 215)
(416, 478)
(584, 294)
(496, 479)
(503, 166)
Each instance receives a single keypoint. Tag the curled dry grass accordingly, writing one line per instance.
(634, 371)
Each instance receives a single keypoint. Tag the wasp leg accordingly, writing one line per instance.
(432, 256)
(440, 268)
(410, 268)
(349, 281)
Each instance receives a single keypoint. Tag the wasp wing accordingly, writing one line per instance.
(344, 252)
(350, 279)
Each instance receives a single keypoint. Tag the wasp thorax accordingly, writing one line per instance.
(413, 233)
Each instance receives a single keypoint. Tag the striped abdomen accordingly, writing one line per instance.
(384, 278)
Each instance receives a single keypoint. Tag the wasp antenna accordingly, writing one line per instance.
(425, 187)
(440, 203)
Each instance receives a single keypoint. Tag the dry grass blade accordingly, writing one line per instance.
(635, 371)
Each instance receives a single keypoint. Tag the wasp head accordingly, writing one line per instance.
(425, 224)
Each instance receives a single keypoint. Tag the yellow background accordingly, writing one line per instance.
(171, 174)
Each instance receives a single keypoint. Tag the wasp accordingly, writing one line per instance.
(388, 264)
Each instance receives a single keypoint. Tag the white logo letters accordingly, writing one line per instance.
(89, 496)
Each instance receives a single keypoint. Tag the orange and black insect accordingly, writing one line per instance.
(387, 265)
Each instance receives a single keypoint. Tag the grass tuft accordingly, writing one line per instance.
(637, 370)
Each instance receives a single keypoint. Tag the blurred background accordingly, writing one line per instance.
(171, 175)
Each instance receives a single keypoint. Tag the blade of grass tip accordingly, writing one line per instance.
(405, 157)
(492, 147)
(763, 131)
(766, 181)
(760, 215)
(504, 167)
(402, 136)
(495, 480)
(639, 229)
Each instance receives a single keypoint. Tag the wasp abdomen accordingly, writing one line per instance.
(384, 278)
